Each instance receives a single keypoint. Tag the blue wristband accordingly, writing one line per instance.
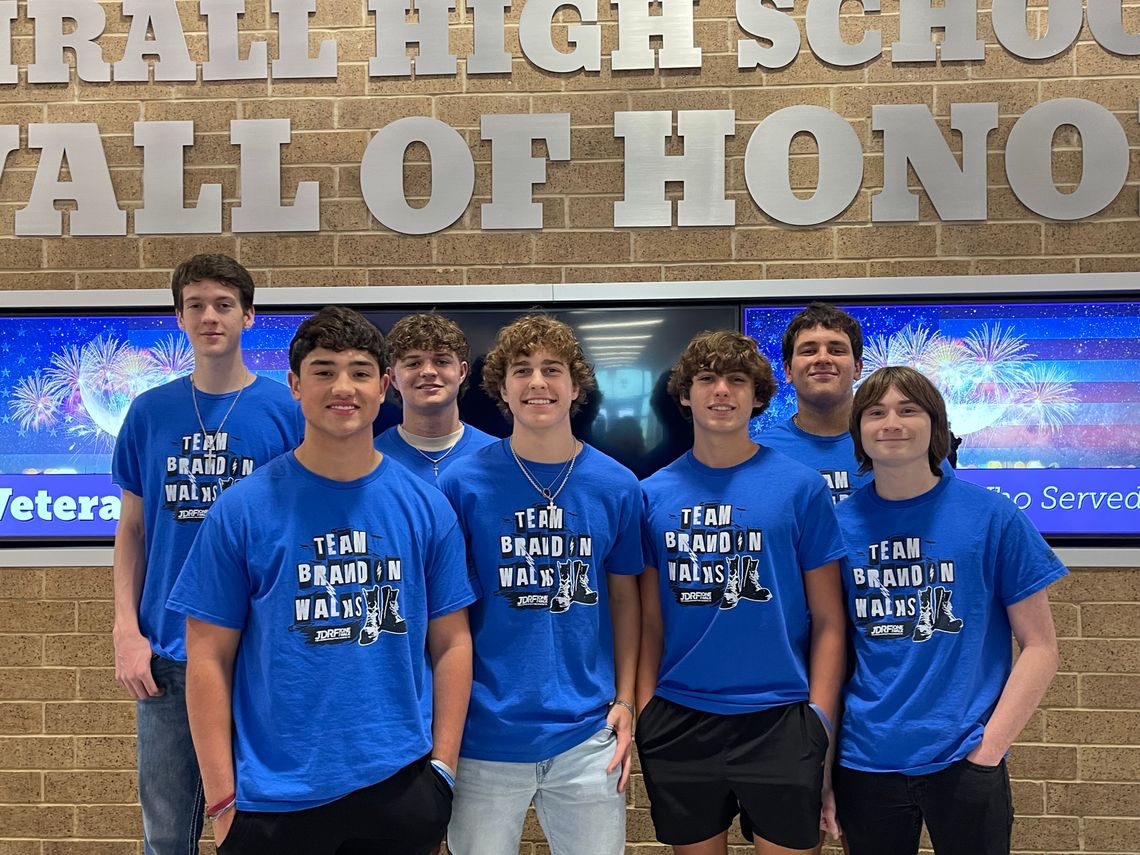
(444, 772)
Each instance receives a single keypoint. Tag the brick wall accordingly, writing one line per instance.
(67, 746)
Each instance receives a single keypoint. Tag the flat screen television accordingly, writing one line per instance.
(1045, 395)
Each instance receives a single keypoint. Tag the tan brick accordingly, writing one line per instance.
(20, 847)
(38, 821)
(1046, 833)
(37, 683)
(711, 272)
(1110, 691)
(486, 248)
(622, 273)
(1110, 620)
(89, 788)
(96, 616)
(1097, 799)
(1118, 763)
(890, 241)
(36, 615)
(98, 684)
(814, 270)
(76, 583)
(1022, 266)
(513, 275)
(94, 847)
(376, 250)
(991, 239)
(1062, 692)
(289, 250)
(1111, 835)
(416, 276)
(94, 717)
(74, 650)
(1084, 585)
(1083, 238)
(105, 752)
(37, 752)
(88, 253)
(21, 787)
(108, 821)
(101, 281)
(17, 650)
(935, 267)
(22, 253)
(1028, 798)
(682, 244)
(1092, 726)
(23, 583)
(21, 718)
(1034, 730)
(1066, 619)
(376, 113)
(1052, 762)
(1126, 264)
(465, 111)
(582, 247)
(1115, 656)
(764, 244)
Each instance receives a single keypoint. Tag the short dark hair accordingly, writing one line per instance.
(914, 386)
(337, 328)
(430, 332)
(829, 317)
(722, 352)
(526, 336)
(215, 266)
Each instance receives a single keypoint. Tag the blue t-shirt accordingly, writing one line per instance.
(395, 446)
(927, 582)
(332, 584)
(162, 456)
(832, 456)
(543, 637)
(730, 547)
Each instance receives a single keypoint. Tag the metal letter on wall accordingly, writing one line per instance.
(826, 41)
(162, 211)
(394, 33)
(1029, 158)
(169, 43)
(766, 165)
(535, 36)
(917, 21)
(488, 55)
(1063, 25)
(771, 25)
(261, 209)
(911, 137)
(636, 27)
(96, 210)
(293, 39)
(382, 176)
(51, 41)
(222, 38)
(1106, 23)
(700, 169)
(514, 172)
(9, 72)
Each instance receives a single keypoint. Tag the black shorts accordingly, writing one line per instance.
(405, 814)
(967, 808)
(701, 769)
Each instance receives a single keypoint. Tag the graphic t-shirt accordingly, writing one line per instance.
(332, 584)
(543, 638)
(163, 456)
(731, 547)
(392, 444)
(832, 456)
(928, 581)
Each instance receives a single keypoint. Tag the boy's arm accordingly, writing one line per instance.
(449, 645)
(210, 652)
(652, 638)
(1032, 624)
(828, 662)
(132, 651)
(625, 612)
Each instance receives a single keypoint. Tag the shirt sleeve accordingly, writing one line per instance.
(648, 544)
(820, 538)
(625, 557)
(126, 470)
(214, 584)
(1025, 563)
(448, 586)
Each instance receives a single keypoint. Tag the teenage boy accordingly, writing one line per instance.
(938, 572)
(553, 540)
(742, 651)
(822, 351)
(429, 374)
(180, 446)
(316, 595)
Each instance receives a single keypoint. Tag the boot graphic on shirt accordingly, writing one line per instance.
(573, 587)
(371, 629)
(750, 587)
(944, 620)
(732, 588)
(924, 627)
(390, 620)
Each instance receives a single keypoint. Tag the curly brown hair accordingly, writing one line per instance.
(722, 352)
(913, 386)
(524, 337)
(430, 332)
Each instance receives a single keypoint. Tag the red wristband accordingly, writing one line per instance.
(214, 810)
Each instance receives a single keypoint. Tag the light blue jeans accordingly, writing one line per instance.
(170, 786)
(577, 803)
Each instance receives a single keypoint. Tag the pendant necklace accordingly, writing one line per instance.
(210, 452)
(549, 492)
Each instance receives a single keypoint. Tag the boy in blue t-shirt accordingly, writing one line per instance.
(938, 572)
(822, 351)
(742, 651)
(553, 544)
(180, 445)
(326, 632)
(429, 370)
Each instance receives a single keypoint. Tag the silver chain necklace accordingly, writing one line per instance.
(213, 441)
(549, 492)
(435, 461)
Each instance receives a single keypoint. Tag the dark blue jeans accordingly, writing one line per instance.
(170, 786)
(968, 810)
